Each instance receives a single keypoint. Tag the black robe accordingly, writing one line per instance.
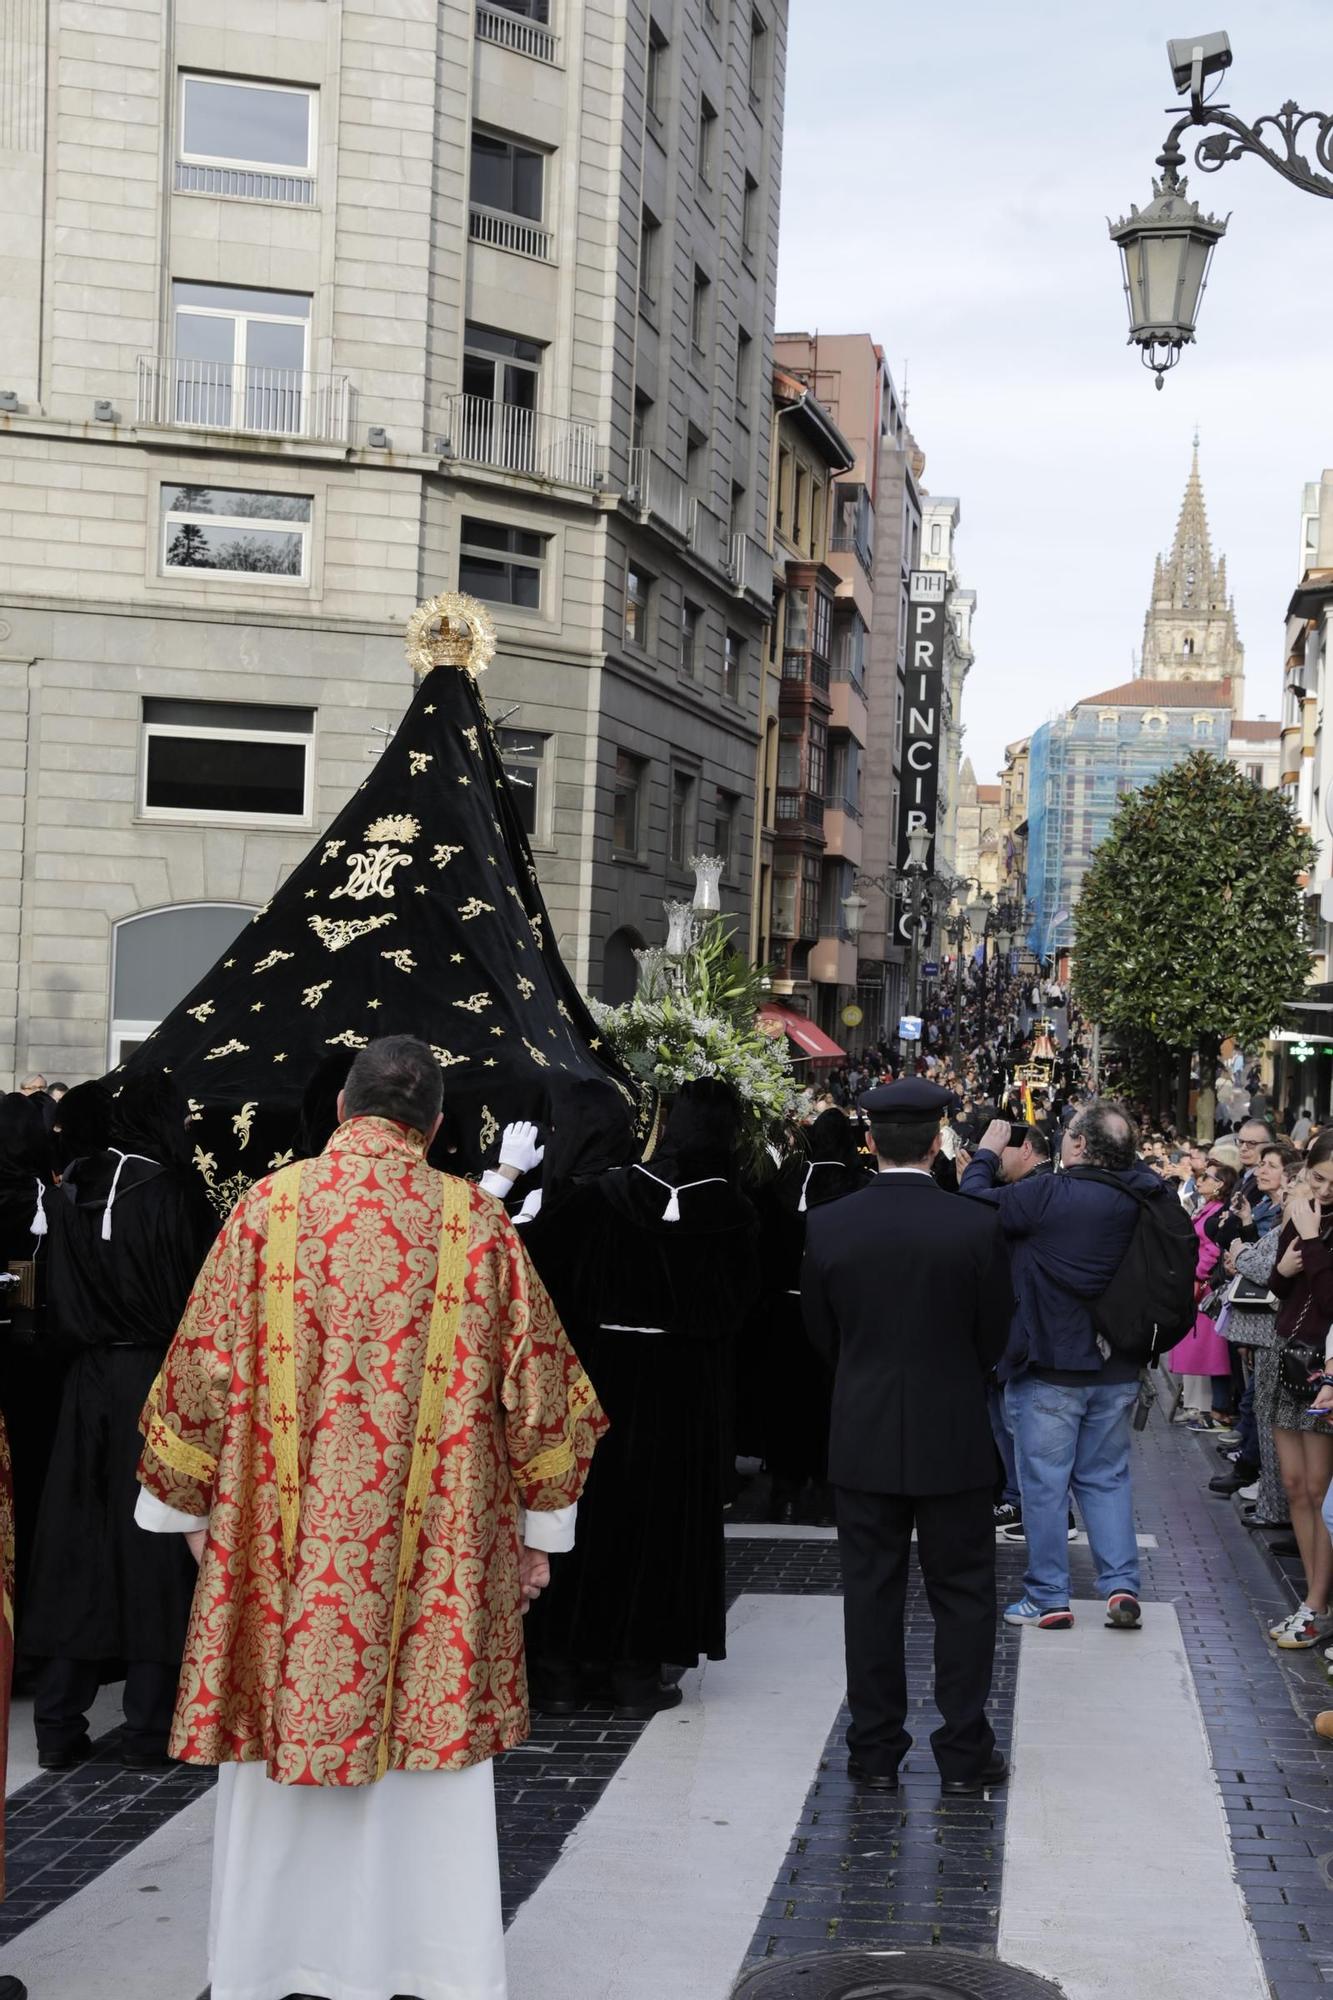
(29, 1378)
(645, 1582)
(101, 1588)
(785, 1384)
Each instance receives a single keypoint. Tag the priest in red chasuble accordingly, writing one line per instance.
(373, 1428)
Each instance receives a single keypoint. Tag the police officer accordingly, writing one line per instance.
(906, 1293)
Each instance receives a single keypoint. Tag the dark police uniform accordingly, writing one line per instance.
(906, 1292)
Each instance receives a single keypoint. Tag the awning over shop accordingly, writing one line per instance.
(813, 1043)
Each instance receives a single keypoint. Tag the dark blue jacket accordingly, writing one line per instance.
(1067, 1235)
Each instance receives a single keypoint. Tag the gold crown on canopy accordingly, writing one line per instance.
(451, 630)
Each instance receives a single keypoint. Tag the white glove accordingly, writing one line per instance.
(531, 1208)
(519, 1148)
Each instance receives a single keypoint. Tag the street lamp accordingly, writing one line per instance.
(922, 889)
(1166, 249)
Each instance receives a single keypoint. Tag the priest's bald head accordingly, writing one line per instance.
(396, 1077)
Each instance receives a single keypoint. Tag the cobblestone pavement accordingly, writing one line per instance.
(861, 1872)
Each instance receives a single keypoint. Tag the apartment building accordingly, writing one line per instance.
(874, 540)
(314, 309)
(813, 718)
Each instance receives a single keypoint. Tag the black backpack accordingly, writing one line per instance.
(1149, 1304)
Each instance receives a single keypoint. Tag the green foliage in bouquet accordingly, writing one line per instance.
(695, 1016)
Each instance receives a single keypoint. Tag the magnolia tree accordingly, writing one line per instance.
(1190, 926)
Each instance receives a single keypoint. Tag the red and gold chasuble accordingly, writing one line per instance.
(369, 1383)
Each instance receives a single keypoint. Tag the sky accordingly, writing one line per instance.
(947, 178)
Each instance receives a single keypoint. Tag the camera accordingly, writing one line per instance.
(1195, 57)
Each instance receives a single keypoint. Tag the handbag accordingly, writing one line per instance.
(1297, 1362)
(1251, 1294)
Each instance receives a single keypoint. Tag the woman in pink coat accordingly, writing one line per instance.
(1203, 1356)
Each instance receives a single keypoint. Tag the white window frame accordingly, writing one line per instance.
(248, 523)
(121, 1029)
(214, 733)
(240, 320)
(535, 755)
(541, 563)
(269, 167)
(1203, 725)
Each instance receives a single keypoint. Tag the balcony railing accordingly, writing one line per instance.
(708, 534)
(658, 491)
(803, 808)
(244, 183)
(752, 567)
(848, 545)
(480, 432)
(514, 31)
(806, 669)
(224, 396)
(503, 231)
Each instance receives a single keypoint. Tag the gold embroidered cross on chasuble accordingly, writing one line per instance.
(368, 1387)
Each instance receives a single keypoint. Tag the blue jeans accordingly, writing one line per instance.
(1004, 1444)
(1077, 1440)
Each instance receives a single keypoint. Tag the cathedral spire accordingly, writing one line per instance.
(1189, 581)
(1190, 630)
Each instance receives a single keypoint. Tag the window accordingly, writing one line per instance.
(784, 488)
(691, 626)
(707, 161)
(749, 216)
(239, 357)
(744, 351)
(1106, 722)
(817, 519)
(680, 843)
(222, 760)
(1255, 773)
(643, 413)
(936, 534)
(507, 177)
(650, 246)
(798, 505)
(1203, 725)
(256, 140)
(156, 959)
(816, 758)
(223, 530)
(699, 312)
(638, 600)
(758, 58)
(696, 462)
(726, 828)
(790, 739)
(1154, 723)
(655, 82)
(733, 661)
(810, 879)
(821, 636)
(500, 367)
(627, 803)
(531, 10)
(784, 903)
(502, 565)
(798, 621)
(849, 664)
(523, 756)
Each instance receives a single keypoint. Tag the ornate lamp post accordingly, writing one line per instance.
(922, 892)
(1166, 248)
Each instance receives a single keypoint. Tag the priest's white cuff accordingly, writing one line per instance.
(553, 1531)
(159, 1519)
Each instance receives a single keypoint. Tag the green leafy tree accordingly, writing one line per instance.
(1190, 926)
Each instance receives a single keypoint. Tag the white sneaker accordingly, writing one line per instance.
(1249, 1492)
(1290, 1624)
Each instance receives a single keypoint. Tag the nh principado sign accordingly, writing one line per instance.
(926, 633)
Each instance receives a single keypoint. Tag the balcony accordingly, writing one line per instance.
(708, 535)
(801, 669)
(528, 442)
(752, 567)
(842, 831)
(800, 809)
(508, 30)
(848, 708)
(260, 402)
(833, 960)
(658, 492)
(501, 231)
(244, 183)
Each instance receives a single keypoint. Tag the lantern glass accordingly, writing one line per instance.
(918, 845)
(853, 914)
(707, 871)
(977, 912)
(1165, 252)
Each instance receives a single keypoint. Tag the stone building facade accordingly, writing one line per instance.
(312, 309)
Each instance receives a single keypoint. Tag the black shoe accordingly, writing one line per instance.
(1283, 1545)
(1227, 1483)
(637, 1701)
(871, 1781)
(1252, 1519)
(11, 1988)
(1016, 1533)
(131, 1758)
(1008, 1514)
(995, 1773)
(68, 1758)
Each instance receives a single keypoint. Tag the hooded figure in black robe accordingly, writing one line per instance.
(653, 1268)
(130, 1227)
(29, 1381)
(784, 1382)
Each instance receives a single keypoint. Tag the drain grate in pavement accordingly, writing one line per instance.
(893, 1975)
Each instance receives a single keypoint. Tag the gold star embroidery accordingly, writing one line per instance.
(258, 1007)
(429, 709)
(374, 1003)
(497, 1031)
(228, 963)
(464, 779)
(311, 892)
(455, 958)
(490, 1063)
(596, 1042)
(491, 859)
(421, 888)
(281, 1056)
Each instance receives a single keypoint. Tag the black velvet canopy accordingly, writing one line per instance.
(418, 912)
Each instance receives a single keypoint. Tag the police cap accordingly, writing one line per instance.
(912, 1097)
